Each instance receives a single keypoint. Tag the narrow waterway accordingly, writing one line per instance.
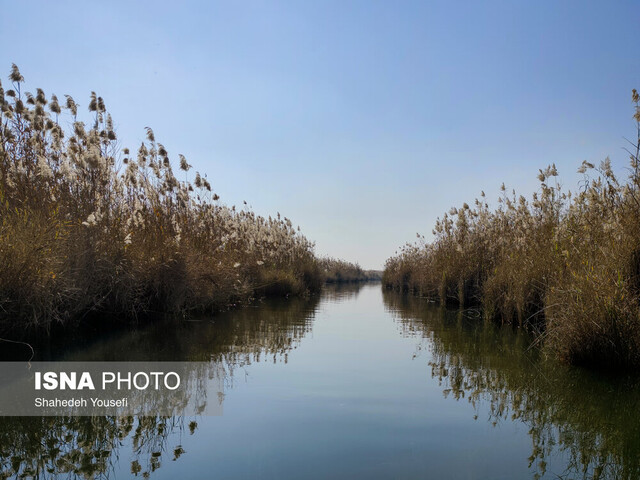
(356, 383)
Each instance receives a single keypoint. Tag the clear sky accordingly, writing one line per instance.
(362, 121)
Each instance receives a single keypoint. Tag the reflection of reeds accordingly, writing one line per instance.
(570, 263)
(88, 227)
(589, 418)
(242, 335)
(341, 291)
(87, 447)
(90, 447)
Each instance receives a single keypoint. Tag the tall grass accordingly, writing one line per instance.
(341, 271)
(89, 228)
(567, 263)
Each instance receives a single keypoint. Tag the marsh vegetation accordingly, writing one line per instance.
(566, 264)
(341, 271)
(88, 228)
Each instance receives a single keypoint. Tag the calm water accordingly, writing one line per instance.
(358, 383)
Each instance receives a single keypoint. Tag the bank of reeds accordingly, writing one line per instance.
(341, 271)
(567, 263)
(88, 228)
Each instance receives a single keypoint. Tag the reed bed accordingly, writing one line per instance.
(89, 229)
(565, 264)
(341, 271)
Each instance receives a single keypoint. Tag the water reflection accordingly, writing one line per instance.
(339, 292)
(87, 447)
(90, 447)
(588, 418)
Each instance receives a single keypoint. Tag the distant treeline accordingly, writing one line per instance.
(340, 271)
(92, 230)
(566, 264)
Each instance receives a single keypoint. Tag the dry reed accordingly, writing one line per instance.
(88, 228)
(568, 264)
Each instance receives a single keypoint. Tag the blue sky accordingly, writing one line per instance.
(362, 121)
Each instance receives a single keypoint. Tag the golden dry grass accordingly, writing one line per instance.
(89, 228)
(568, 264)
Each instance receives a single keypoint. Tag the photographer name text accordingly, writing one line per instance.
(41, 402)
